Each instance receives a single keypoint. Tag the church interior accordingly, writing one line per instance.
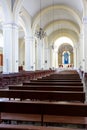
(43, 65)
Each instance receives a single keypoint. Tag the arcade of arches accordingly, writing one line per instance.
(19, 46)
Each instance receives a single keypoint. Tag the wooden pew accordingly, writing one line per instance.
(55, 80)
(43, 95)
(63, 76)
(26, 127)
(53, 83)
(68, 72)
(77, 110)
(58, 81)
(47, 88)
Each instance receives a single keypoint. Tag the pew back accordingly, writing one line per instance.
(47, 88)
(44, 108)
(44, 95)
(53, 83)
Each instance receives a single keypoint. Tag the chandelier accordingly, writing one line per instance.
(40, 33)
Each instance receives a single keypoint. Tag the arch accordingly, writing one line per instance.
(59, 24)
(16, 9)
(9, 14)
(6, 10)
(25, 22)
(65, 53)
(60, 41)
(62, 7)
(64, 32)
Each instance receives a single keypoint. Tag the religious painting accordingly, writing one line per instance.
(66, 58)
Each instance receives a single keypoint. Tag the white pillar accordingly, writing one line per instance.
(76, 59)
(56, 58)
(10, 50)
(40, 52)
(36, 54)
(46, 54)
(75, 56)
(78, 55)
(81, 49)
(85, 44)
(28, 53)
(85, 47)
(53, 58)
(39, 55)
(49, 57)
(33, 53)
(42, 56)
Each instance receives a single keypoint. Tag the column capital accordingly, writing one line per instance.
(30, 38)
(10, 25)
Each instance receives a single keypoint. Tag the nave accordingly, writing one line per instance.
(55, 100)
(43, 65)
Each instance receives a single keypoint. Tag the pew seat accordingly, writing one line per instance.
(21, 117)
(26, 127)
(65, 119)
(36, 118)
(74, 113)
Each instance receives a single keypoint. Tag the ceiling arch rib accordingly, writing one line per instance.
(65, 47)
(57, 15)
(7, 15)
(16, 8)
(60, 33)
(33, 6)
(60, 24)
(25, 22)
(68, 10)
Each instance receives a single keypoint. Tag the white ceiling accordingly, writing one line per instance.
(33, 6)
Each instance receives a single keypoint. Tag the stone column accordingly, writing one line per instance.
(78, 55)
(46, 54)
(49, 57)
(40, 54)
(75, 57)
(33, 53)
(36, 54)
(10, 50)
(81, 50)
(85, 44)
(28, 53)
(56, 58)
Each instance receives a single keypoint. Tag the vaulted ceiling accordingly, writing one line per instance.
(56, 14)
(33, 6)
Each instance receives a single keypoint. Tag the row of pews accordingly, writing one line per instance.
(47, 101)
(19, 77)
